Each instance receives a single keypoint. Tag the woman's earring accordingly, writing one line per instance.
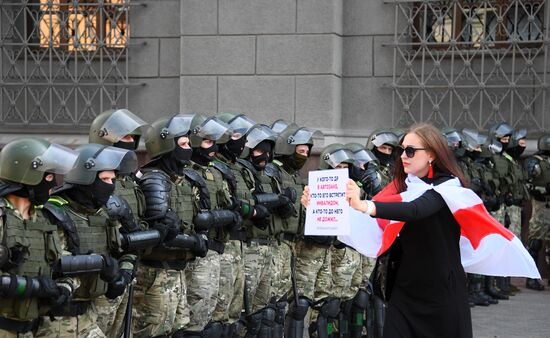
(430, 170)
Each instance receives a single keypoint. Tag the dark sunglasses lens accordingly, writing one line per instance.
(409, 151)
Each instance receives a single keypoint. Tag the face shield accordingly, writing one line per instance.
(472, 139)
(453, 139)
(241, 124)
(177, 126)
(279, 126)
(304, 136)
(385, 138)
(258, 134)
(56, 159)
(104, 158)
(502, 130)
(213, 129)
(363, 157)
(121, 123)
(340, 156)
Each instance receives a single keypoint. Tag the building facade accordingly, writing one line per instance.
(345, 67)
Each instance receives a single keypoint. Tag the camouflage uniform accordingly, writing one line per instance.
(346, 272)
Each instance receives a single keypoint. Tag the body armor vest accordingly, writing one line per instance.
(127, 188)
(182, 200)
(40, 246)
(294, 224)
(543, 180)
(97, 236)
(503, 174)
(219, 197)
(518, 177)
(257, 182)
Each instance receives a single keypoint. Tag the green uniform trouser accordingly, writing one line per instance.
(347, 270)
(539, 225)
(258, 270)
(83, 326)
(282, 256)
(203, 283)
(230, 295)
(160, 303)
(111, 313)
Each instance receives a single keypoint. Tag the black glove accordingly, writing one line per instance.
(509, 200)
(65, 295)
(237, 221)
(116, 288)
(47, 288)
(261, 218)
(507, 220)
(169, 226)
(286, 209)
(201, 245)
(370, 180)
(110, 272)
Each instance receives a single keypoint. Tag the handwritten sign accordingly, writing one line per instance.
(328, 211)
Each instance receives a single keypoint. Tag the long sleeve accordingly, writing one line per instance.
(426, 205)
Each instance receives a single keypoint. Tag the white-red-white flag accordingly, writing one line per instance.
(486, 247)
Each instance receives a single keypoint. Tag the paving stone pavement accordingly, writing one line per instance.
(525, 315)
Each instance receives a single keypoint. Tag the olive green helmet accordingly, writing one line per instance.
(294, 135)
(361, 154)
(334, 154)
(159, 139)
(208, 128)
(452, 136)
(472, 139)
(257, 134)
(543, 143)
(380, 137)
(239, 123)
(279, 125)
(93, 158)
(500, 130)
(112, 125)
(27, 159)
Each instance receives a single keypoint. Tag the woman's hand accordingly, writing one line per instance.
(305, 197)
(353, 196)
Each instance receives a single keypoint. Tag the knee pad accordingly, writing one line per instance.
(298, 310)
(213, 330)
(330, 307)
(361, 299)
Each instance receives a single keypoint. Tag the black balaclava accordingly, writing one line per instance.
(233, 148)
(384, 159)
(177, 159)
(459, 152)
(515, 152)
(201, 155)
(474, 155)
(504, 145)
(92, 196)
(295, 161)
(264, 146)
(37, 194)
(128, 145)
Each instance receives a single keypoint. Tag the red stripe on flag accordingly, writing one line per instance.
(390, 234)
(476, 223)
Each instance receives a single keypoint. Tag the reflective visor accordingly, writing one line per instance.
(241, 124)
(339, 156)
(111, 158)
(214, 129)
(56, 159)
(257, 134)
(364, 156)
(304, 136)
(385, 138)
(121, 123)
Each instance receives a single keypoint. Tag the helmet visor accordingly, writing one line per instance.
(503, 130)
(121, 123)
(241, 124)
(385, 138)
(214, 129)
(177, 126)
(279, 125)
(339, 156)
(364, 156)
(111, 158)
(304, 136)
(56, 159)
(257, 134)
(519, 134)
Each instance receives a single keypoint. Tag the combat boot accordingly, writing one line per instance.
(502, 284)
(491, 290)
(474, 295)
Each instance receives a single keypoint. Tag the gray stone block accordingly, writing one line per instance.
(320, 16)
(257, 17)
(383, 57)
(198, 94)
(144, 58)
(170, 57)
(217, 55)
(368, 17)
(318, 101)
(263, 98)
(199, 17)
(158, 19)
(299, 54)
(159, 97)
(366, 105)
(357, 56)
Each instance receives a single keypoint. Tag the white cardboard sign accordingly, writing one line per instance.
(328, 211)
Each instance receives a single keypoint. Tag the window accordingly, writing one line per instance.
(469, 24)
(80, 26)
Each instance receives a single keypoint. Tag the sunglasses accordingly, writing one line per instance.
(409, 151)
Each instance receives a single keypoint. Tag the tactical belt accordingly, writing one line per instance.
(73, 309)
(171, 265)
(215, 245)
(18, 326)
(238, 235)
(324, 241)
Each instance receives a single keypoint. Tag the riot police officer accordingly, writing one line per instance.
(538, 173)
(382, 144)
(30, 240)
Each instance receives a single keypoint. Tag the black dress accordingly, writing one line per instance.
(429, 297)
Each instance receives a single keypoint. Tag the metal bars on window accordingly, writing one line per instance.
(465, 63)
(62, 62)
